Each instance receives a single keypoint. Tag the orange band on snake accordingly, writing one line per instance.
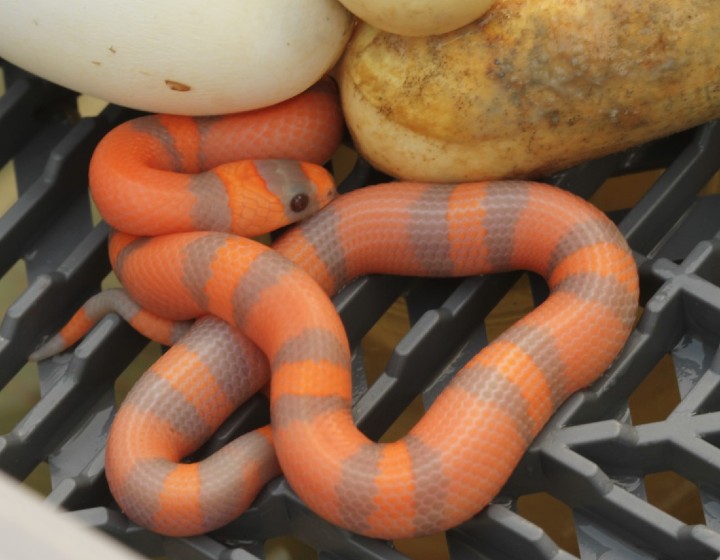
(458, 456)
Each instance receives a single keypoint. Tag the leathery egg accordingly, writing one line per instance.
(418, 17)
(192, 57)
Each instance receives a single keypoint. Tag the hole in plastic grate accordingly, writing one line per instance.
(552, 516)
(618, 193)
(140, 363)
(433, 547)
(94, 212)
(110, 281)
(380, 341)
(378, 346)
(404, 423)
(135, 369)
(517, 303)
(18, 397)
(657, 396)
(709, 269)
(39, 479)
(89, 106)
(343, 162)
(288, 548)
(12, 284)
(8, 187)
(712, 187)
(676, 496)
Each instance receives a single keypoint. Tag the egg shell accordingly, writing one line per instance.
(191, 57)
(418, 17)
(530, 88)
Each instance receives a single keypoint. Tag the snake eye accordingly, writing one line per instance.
(299, 202)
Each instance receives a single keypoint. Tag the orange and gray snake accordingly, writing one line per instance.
(164, 177)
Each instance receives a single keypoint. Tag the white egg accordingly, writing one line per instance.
(418, 17)
(193, 57)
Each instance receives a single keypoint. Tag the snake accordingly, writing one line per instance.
(185, 196)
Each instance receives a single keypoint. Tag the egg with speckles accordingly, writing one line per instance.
(189, 57)
(530, 88)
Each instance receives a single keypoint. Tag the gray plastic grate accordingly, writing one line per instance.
(590, 456)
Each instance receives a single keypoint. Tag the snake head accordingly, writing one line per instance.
(268, 194)
(302, 189)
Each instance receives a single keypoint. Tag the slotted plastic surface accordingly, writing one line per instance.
(591, 456)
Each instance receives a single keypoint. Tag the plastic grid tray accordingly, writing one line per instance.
(590, 456)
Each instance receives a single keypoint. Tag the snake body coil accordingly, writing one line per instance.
(459, 454)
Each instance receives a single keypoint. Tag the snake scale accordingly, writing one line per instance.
(180, 192)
